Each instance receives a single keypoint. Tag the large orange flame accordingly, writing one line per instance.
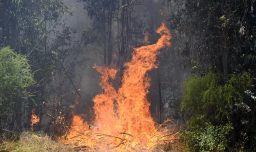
(105, 116)
(132, 100)
(122, 117)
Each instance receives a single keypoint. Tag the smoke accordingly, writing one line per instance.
(83, 51)
(73, 75)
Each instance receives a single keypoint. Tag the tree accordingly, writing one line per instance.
(25, 26)
(222, 39)
(102, 12)
(220, 34)
(15, 77)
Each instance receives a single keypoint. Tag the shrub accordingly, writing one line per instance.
(212, 106)
(207, 138)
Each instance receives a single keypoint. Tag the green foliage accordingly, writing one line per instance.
(225, 42)
(15, 79)
(207, 138)
(209, 106)
(27, 27)
(206, 93)
(224, 33)
(15, 74)
(194, 92)
(32, 17)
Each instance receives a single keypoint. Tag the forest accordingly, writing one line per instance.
(127, 75)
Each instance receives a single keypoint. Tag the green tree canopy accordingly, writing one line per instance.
(15, 79)
(15, 73)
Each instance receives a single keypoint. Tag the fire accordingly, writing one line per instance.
(133, 105)
(122, 116)
(78, 133)
(34, 119)
(105, 115)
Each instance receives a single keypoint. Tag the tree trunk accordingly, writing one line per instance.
(125, 31)
(109, 36)
(160, 96)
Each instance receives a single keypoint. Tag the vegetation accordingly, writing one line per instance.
(16, 77)
(31, 142)
(219, 114)
(24, 27)
(214, 49)
(218, 101)
(15, 74)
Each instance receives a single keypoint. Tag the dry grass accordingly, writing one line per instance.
(31, 142)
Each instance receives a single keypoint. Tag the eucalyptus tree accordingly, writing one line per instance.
(221, 40)
(26, 26)
(103, 13)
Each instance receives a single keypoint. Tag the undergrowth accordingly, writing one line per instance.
(31, 142)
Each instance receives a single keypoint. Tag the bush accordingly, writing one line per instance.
(212, 106)
(207, 96)
(207, 138)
